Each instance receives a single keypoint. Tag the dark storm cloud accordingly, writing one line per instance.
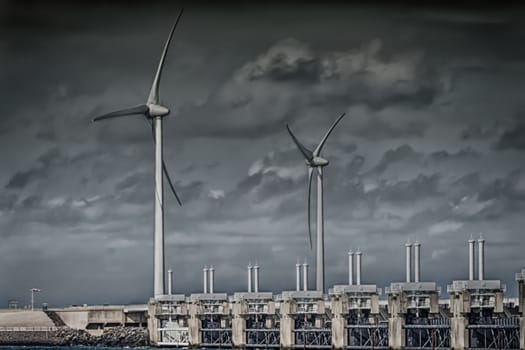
(7, 201)
(464, 153)
(401, 153)
(513, 138)
(31, 202)
(427, 92)
(479, 132)
(422, 186)
(22, 178)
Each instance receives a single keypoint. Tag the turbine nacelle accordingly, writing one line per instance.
(317, 162)
(155, 110)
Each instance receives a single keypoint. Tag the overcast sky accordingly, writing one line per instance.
(432, 147)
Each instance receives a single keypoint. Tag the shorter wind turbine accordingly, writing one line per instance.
(314, 160)
(153, 112)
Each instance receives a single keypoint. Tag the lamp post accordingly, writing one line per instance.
(33, 291)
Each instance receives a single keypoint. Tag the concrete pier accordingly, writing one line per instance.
(473, 303)
(411, 306)
(520, 278)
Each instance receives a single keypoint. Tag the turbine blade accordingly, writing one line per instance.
(164, 168)
(154, 92)
(310, 170)
(138, 110)
(321, 144)
(305, 151)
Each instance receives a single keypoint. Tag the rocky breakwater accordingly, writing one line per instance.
(114, 336)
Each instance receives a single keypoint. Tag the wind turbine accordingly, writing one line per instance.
(153, 112)
(314, 160)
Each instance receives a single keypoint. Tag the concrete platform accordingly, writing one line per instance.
(25, 319)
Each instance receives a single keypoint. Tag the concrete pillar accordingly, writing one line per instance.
(417, 262)
(374, 304)
(270, 321)
(459, 306)
(498, 307)
(350, 268)
(522, 333)
(471, 259)
(408, 260)
(194, 325)
(239, 325)
(521, 292)
(481, 259)
(153, 324)
(396, 321)
(305, 276)
(339, 333)
(458, 333)
(434, 303)
(287, 324)
(520, 278)
(396, 334)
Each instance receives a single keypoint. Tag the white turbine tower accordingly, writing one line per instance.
(153, 111)
(314, 160)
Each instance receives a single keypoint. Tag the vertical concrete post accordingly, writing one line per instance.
(287, 324)
(396, 321)
(458, 324)
(153, 324)
(239, 324)
(339, 333)
(520, 278)
(194, 325)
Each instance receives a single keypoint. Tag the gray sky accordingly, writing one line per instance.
(432, 147)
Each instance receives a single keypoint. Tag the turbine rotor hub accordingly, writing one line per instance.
(317, 162)
(155, 110)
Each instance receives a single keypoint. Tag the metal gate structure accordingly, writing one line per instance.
(307, 335)
(257, 335)
(494, 333)
(368, 336)
(213, 335)
(428, 333)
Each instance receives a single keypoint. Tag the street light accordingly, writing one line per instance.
(33, 291)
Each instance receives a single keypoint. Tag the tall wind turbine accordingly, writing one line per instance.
(314, 160)
(153, 112)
